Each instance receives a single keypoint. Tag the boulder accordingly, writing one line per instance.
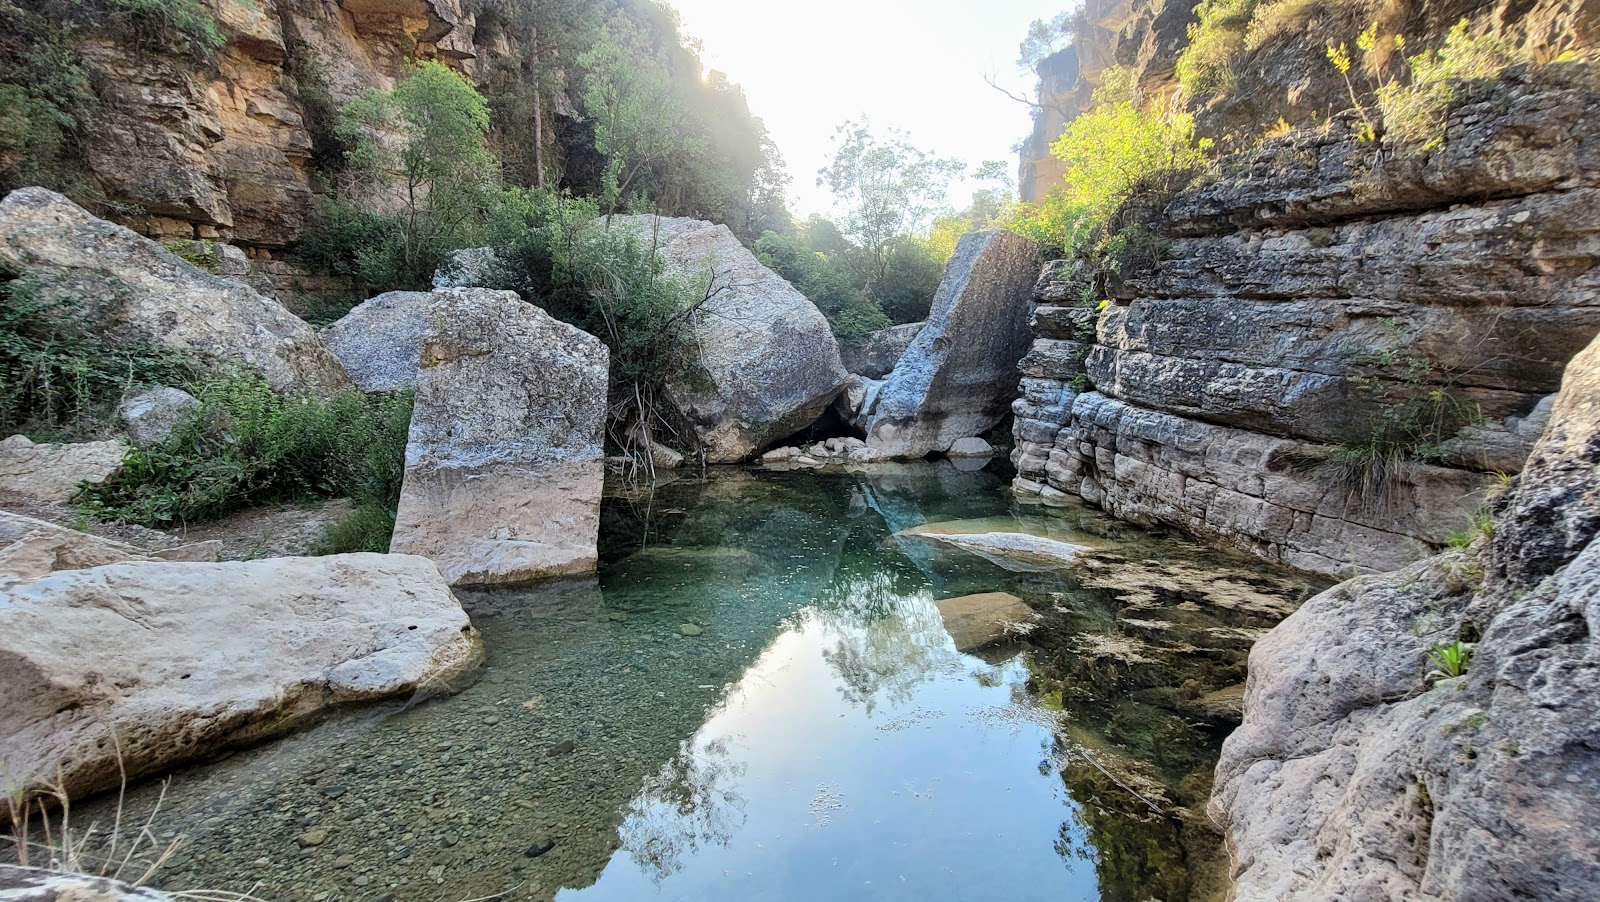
(505, 459)
(959, 375)
(161, 663)
(379, 340)
(39, 885)
(769, 364)
(149, 415)
(1358, 775)
(53, 472)
(875, 354)
(970, 447)
(977, 621)
(125, 285)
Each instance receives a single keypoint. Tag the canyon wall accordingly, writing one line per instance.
(1227, 388)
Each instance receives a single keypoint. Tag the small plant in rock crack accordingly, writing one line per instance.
(1449, 661)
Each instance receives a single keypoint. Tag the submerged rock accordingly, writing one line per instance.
(1012, 550)
(959, 375)
(379, 340)
(126, 286)
(504, 461)
(977, 621)
(53, 472)
(152, 664)
(769, 364)
(1357, 775)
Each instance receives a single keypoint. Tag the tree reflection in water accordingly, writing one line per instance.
(884, 642)
(691, 802)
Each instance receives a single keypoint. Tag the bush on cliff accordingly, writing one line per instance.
(1118, 154)
(247, 445)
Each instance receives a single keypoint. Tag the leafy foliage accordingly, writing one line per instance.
(1045, 37)
(1205, 65)
(887, 188)
(1115, 153)
(247, 445)
(826, 280)
(418, 181)
(1449, 661)
(1416, 111)
(45, 98)
(57, 376)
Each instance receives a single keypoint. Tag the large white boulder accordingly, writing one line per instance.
(505, 458)
(159, 663)
(959, 375)
(770, 361)
(129, 286)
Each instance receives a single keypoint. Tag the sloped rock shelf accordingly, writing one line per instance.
(757, 700)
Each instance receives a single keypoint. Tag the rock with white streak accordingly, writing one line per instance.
(505, 457)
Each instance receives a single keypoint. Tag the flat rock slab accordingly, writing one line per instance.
(978, 621)
(166, 662)
(1014, 551)
(504, 461)
(52, 472)
(31, 548)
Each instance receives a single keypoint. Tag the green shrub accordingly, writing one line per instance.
(1117, 153)
(1205, 67)
(401, 206)
(158, 22)
(247, 444)
(1416, 111)
(1449, 661)
(826, 280)
(59, 377)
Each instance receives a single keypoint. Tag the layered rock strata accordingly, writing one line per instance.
(505, 457)
(1368, 768)
(1311, 295)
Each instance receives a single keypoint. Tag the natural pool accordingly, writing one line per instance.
(757, 699)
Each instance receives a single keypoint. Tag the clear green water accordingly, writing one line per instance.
(818, 738)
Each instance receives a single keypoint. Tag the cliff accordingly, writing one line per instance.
(1357, 774)
(1310, 294)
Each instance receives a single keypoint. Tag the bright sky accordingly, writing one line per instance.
(917, 65)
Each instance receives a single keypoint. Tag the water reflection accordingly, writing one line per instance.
(812, 734)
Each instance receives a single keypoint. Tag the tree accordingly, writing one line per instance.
(417, 183)
(1045, 37)
(990, 207)
(636, 113)
(887, 188)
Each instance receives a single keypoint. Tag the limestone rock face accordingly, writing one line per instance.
(52, 472)
(125, 284)
(959, 375)
(875, 354)
(1354, 776)
(769, 359)
(380, 340)
(150, 415)
(505, 458)
(1310, 298)
(178, 660)
(39, 885)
